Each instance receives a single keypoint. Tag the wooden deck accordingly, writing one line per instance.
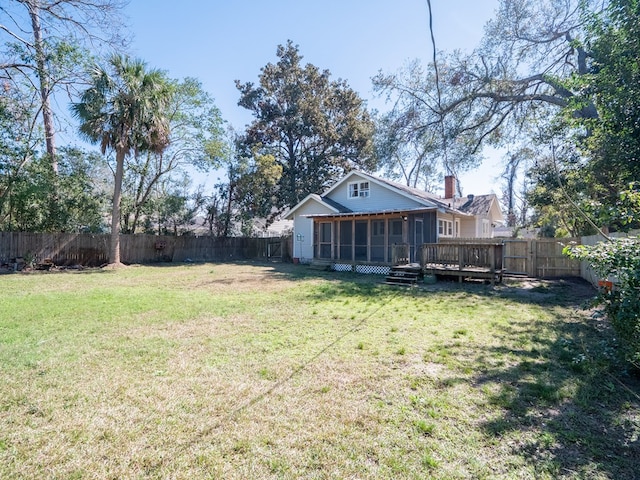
(465, 260)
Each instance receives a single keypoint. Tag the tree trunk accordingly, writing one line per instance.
(114, 250)
(43, 76)
(227, 219)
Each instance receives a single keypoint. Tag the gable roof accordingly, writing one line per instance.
(478, 205)
(425, 198)
(333, 206)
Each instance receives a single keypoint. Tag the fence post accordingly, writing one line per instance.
(533, 259)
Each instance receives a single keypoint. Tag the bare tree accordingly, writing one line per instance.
(44, 40)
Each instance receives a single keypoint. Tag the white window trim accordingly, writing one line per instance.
(361, 189)
(445, 228)
(486, 227)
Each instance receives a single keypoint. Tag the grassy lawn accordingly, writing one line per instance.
(277, 371)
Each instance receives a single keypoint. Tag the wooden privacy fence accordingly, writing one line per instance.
(538, 258)
(93, 250)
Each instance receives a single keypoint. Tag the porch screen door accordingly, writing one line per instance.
(362, 239)
(346, 240)
(324, 240)
(377, 240)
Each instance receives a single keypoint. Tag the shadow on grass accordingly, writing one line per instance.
(567, 405)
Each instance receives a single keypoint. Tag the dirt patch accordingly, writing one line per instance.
(574, 291)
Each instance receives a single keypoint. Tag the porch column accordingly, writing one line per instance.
(369, 239)
(386, 240)
(353, 241)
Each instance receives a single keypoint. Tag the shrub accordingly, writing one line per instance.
(619, 261)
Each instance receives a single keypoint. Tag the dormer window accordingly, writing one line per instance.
(358, 189)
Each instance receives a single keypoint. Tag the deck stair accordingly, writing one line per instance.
(320, 264)
(405, 275)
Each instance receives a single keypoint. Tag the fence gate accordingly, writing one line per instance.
(517, 257)
(539, 258)
(274, 248)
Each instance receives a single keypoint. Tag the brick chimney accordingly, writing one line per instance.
(449, 186)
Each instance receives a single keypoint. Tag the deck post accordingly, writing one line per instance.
(492, 263)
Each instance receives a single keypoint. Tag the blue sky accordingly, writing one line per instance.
(219, 41)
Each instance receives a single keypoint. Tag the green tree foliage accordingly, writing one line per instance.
(16, 141)
(252, 183)
(559, 77)
(173, 210)
(247, 193)
(196, 141)
(595, 158)
(612, 85)
(40, 201)
(513, 76)
(124, 110)
(315, 128)
(618, 260)
(32, 196)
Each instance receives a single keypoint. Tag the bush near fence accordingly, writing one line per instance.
(66, 249)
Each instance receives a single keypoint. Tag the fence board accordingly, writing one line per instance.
(66, 249)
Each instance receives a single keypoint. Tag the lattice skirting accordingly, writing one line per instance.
(366, 269)
(343, 267)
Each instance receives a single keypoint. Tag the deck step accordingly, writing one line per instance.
(405, 275)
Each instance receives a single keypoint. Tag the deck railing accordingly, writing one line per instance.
(400, 254)
(463, 256)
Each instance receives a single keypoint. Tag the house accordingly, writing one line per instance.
(485, 212)
(363, 221)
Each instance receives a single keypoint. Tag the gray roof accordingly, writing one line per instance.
(475, 204)
(339, 207)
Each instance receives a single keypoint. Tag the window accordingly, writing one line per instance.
(486, 228)
(396, 228)
(358, 189)
(445, 228)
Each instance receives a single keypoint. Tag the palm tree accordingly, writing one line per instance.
(124, 111)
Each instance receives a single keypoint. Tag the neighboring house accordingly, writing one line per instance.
(362, 218)
(484, 210)
(278, 228)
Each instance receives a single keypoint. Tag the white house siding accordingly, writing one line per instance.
(468, 228)
(380, 198)
(303, 230)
